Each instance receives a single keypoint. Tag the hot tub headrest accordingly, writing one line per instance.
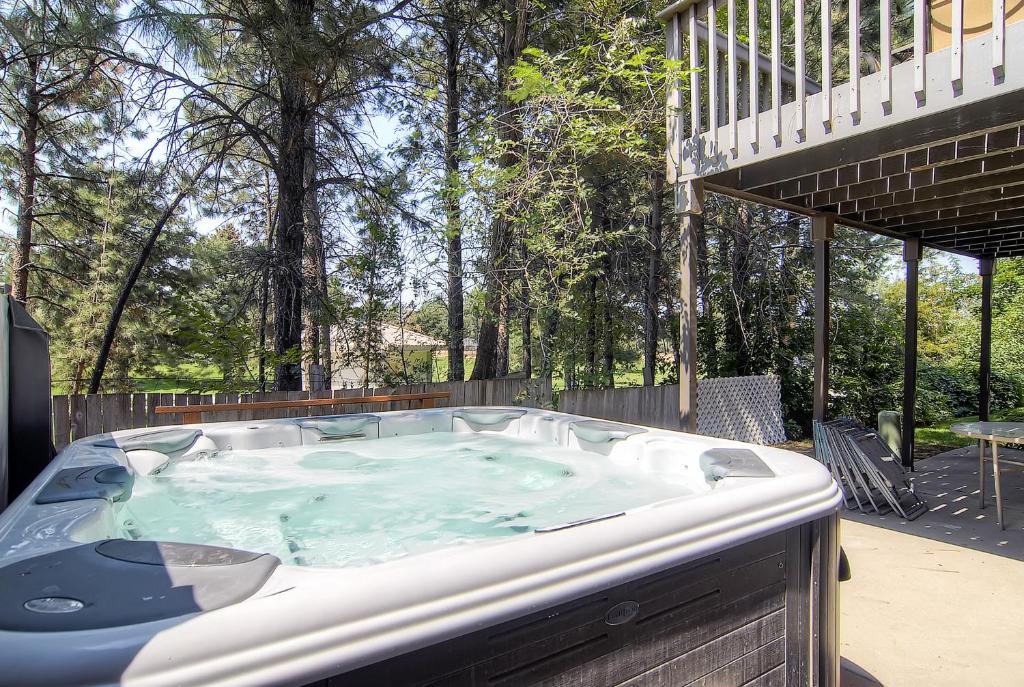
(488, 417)
(117, 582)
(334, 427)
(111, 482)
(602, 432)
(163, 441)
(719, 463)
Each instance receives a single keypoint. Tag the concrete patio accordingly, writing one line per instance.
(937, 601)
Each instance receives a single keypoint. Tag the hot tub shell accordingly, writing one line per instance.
(735, 584)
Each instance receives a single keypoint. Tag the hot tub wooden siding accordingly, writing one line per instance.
(762, 614)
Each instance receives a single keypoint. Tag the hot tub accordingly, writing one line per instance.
(454, 546)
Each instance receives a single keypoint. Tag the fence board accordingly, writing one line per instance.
(115, 410)
(138, 412)
(78, 428)
(93, 414)
(61, 421)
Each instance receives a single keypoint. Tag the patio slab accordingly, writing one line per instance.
(940, 600)
(948, 483)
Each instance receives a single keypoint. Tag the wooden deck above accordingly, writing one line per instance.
(930, 148)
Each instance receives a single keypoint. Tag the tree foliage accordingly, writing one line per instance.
(269, 190)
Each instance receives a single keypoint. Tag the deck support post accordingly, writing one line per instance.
(986, 267)
(690, 209)
(823, 230)
(912, 257)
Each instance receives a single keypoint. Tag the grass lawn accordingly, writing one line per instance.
(177, 379)
(941, 436)
(623, 377)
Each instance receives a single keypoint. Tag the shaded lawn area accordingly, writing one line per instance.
(940, 436)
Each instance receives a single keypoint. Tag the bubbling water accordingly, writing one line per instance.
(367, 501)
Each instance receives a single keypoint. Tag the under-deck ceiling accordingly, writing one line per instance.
(953, 180)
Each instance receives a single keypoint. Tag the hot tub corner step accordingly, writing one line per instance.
(118, 582)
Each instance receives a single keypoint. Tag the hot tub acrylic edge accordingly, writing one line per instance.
(299, 649)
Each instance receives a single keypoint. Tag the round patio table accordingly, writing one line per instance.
(994, 433)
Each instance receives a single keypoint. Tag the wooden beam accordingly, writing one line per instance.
(690, 223)
(994, 209)
(822, 233)
(881, 177)
(870, 182)
(986, 266)
(947, 189)
(983, 220)
(988, 247)
(798, 209)
(944, 203)
(912, 256)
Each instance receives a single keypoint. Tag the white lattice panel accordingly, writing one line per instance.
(741, 408)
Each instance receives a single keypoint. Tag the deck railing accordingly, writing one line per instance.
(739, 105)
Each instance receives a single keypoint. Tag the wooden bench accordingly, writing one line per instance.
(192, 414)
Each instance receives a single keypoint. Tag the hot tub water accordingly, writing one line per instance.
(361, 502)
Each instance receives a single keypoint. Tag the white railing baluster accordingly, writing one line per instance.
(712, 74)
(801, 68)
(694, 74)
(754, 108)
(776, 71)
(855, 58)
(674, 48)
(733, 85)
(956, 51)
(920, 45)
(998, 34)
(885, 47)
(826, 62)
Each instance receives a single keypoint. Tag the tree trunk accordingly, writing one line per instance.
(326, 357)
(265, 286)
(789, 299)
(652, 285)
(501, 364)
(707, 331)
(609, 329)
(548, 329)
(741, 301)
(133, 277)
(452, 196)
(514, 33)
(22, 259)
(527, 344)
(727, 365)
(314, 270)
(590, 334)
(674, 339)
(295, 116)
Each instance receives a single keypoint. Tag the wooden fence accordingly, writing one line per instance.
(80, 416)
(653, 406)
(741, 408)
